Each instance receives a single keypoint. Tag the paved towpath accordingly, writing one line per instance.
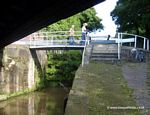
(136, 77)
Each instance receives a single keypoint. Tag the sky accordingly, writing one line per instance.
(103, 11)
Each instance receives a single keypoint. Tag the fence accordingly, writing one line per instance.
(57, 38)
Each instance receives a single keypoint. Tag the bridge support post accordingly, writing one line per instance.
(147, 44)
(119, 46)
(135, 40)
(83, 57)
(83, 54)
(121, 34)
(144, 43)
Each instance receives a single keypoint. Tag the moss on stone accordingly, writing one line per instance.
(7, 96)
(39, 79)
(99, 86)
(16, 76)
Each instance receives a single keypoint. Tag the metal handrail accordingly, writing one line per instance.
(145, 42)
(48, 35)
(54, 42)
(135, 37)
(83, 54)
(55, 32)
(50, 38)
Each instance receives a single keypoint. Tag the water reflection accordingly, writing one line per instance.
(49, 101)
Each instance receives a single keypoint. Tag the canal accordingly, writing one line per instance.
(49, 101)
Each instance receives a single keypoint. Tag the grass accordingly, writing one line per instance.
(106, 90)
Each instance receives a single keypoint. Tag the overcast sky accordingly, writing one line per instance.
(103, 11)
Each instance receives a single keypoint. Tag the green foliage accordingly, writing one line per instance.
(88, 16)
(132, 16)
(62, 66)
(39, 79)
(64, 24)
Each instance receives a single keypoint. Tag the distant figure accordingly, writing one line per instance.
(71, 35)
(134, 53)
(84, 32)
(138, 55)
(141, 56)
(108, 37)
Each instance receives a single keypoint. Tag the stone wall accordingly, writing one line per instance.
(19, 67)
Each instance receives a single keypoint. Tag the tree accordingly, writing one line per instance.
(63, 66)
(64, 24)
(132, 16)
(88, 16)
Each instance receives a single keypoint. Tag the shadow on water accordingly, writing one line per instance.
(49, 101)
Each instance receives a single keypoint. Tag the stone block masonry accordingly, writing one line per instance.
(17, 68)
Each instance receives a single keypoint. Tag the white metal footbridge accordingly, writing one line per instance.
(41, 40)
(59, 40)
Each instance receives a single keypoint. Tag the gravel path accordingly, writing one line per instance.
(136, 76)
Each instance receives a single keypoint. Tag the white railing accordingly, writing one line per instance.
(133, 41)
(52, 39)
(84, 50)
(54, 35)
(136, 39)
(119, 49)
(64, 42)
(62, 38)
(122, 38)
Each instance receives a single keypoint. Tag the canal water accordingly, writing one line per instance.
(49, 101)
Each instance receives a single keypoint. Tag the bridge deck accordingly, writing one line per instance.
(58, 47)
(51, 40)
(103, 42)
(45, 46)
